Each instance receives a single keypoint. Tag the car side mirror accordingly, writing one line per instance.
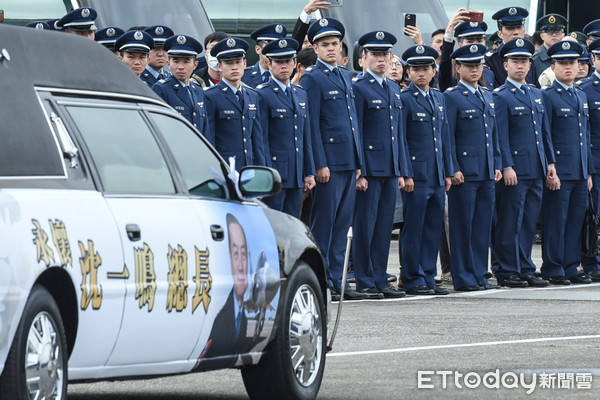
(257, 181)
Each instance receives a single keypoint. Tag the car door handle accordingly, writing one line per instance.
(133, 232)
(217, 232)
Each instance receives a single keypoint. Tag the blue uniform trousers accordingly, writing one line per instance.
(373, 224)
(288, 200)
(470, 207)
(517, 210)
(421, 234)
(332, 212)
(590, 264)
(562, 220)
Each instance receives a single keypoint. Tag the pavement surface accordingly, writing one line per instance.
(508, 343)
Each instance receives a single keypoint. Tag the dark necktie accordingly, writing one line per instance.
(384, 85)
(571, 92)
(265, 76)
(160, 77)
(337, 73)
(288, 91)
(478, 93)
(238, 323)
(430, 101)
(240, 98)
(189, 90)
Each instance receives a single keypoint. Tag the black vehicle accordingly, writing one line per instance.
(124, 242)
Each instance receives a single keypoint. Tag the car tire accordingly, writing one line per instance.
(293, 365)
(36, 366)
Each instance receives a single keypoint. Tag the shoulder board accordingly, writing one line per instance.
(546, 87)
(578, 87)
(484, 87)
(245, 85)
(434, 88)
(404, 90)
(262, 85)
(355, 79)
(297, 86)
(530, 85)
(162, 80)
(450, 89)
(488, 54)
(209, 88)
(248, 68)
(487, 66)
(309, 69)
(499, 89)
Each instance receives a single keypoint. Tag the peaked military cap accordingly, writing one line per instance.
(269, 32)
(135, 42)
(325, 27)
(230, 49)
(517, 48)
(511, 16)
(420, 55)
(470, 29)
(565, 50)
(377, 41)
(470, 54)
(81, 19)
(108, 36)
(593, 28)
(38, 25)
(282, 49)
(551, 21)
(182, 46)
(160, 34)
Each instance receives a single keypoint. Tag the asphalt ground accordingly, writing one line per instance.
(538, 343)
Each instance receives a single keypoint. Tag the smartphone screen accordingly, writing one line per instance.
(475, 16)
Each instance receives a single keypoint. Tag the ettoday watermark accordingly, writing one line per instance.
(507, 380)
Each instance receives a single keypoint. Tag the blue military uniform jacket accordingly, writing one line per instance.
(569, 126)
(177, 96)
(252, 76)
(523, 132)
(496, 64)
(232, 130)
(427, 136)
(473, 135)
(383, 138)
(591, 87)
(334, 127)
(445, 72)
(147, 77)
(286, 129)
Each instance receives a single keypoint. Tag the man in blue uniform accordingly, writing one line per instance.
(285, 123)
(232, 109)
(259, 72)
(336, 147)
(563, 210)
(592, 30)
(177, 90)
(467, 33)
(477, 162)
(108, 36)
(158, 56)
(79, 22)
(379, 112)
(591, 87)
(511, 25)
(527, 159)
(133, 47)
(423, 198)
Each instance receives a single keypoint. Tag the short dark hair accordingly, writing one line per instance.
(437, 32)
(344, 50)
(536, 38)
(307, 57)
(215, 37)
(137, 28)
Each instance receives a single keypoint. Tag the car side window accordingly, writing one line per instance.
(201, 169)
(124, 150)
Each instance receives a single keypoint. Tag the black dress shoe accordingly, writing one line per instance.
(488, 275)
(581, 279)
(513, 281)
(420, 291)
(489, 286)
(535, 281)
(372, 292)
(559, 280)
(468, 289)
(390, 293)
(351, 294)
(335, 295)
(440, 290)
(594, 276)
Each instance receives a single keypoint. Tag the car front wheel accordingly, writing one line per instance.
(36, 367)
(293, 365)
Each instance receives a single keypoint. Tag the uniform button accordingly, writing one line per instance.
(485, 125)
(414, 158)
(350, 118)
(393, 139)
(274, 158)
(352, 129)
(245, 151)
(194, 114)
(581, 144)
(579, 114)
(243, 128)
(297, 150)
(516, 153)
(464, 153)
(370, 147)
(281, 116)
(228, 118)
(334, 97)
(436, 150)
(537, 142)
(433, 118)
(520, 114)
(435, 139)
(487, 135)
(470, 117)
(295, 126)
(331, 140)
(346, 96)
(296, 138)
(392, 127)
(557, 152)
(483, 115)
(434, 128)
(195, 125)
(532, 112)
(390, 107)
(534, 122)
(242, 117)
(487, 144)
(244, 140)
(421, 119)
(348, 107)
(580, 124)
(295, 115)
(537, 133)
(391, 117)
(377, 107)
(580, 134)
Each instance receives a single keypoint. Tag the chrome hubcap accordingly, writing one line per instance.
(43, 359)
(306, 337)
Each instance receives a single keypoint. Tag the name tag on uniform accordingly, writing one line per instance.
(376, 101)
(179, 108)
(421, 115)
(585, 105)
(252, 107)
(519, 108)
(282, 110)
(597, 103)
(333, 92)
(470, 111)
(565, 110)
(230, 112)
